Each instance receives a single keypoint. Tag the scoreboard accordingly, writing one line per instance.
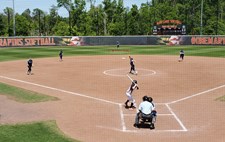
(169, 27)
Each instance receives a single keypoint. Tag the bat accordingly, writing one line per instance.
(130, 78)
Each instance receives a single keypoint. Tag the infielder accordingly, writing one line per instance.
(60, 55)
(132, 66)
(29, 65)
(181, 55)
(130, 96)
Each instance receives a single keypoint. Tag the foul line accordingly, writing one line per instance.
(60, 90)
(198, 94)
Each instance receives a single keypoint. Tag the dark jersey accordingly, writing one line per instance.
(131, 61)
(30, 62)
(181, 52)
(61, 53)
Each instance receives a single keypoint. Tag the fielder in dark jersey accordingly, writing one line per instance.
(132, 66)
(29, 65)
(181, 54)
(60, 55)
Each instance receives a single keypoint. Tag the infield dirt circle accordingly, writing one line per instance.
(92, 89)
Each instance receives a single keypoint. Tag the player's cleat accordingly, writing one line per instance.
(152, 126)
(136, 125)
(133, 107)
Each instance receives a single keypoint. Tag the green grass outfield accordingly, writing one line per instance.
(39, 52)
(47, 131)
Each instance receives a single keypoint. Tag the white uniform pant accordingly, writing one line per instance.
(131, 99)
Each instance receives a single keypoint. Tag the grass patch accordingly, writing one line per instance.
(222, 99)
(23, 95)
(7, 54)
(33, 132)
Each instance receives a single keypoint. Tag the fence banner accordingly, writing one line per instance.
(111, 40)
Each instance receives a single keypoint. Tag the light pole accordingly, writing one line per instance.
(201, 18)
(14, 21)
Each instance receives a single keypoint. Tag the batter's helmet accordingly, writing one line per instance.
(135, 81)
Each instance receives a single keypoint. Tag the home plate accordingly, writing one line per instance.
(123, 58)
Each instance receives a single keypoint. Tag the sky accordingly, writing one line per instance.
(21, 5)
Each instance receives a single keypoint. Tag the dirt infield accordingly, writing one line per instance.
(92, 89)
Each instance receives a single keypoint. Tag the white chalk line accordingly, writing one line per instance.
(197, 94)
(145, 131)
(60, 90)
(122, 118)
(175, 116)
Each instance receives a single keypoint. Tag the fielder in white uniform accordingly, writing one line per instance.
(130, 96)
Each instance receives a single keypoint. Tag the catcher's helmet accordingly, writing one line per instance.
(150, 99)
(145, 98)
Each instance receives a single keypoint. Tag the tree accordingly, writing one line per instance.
(67, 4)
(52, 20)
(3, 24)
(133, 21)
(22, 26)
(9, 12)
(39, 21)
(61, 29)
(117, 26)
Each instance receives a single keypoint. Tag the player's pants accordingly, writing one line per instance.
(29, 68)
(182, 56)
(131, 99)
(132, 68)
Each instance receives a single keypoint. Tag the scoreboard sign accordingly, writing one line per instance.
(169, 27)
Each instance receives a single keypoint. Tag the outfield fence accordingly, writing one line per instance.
(111, 40)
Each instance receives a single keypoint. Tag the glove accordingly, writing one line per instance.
(137, 87)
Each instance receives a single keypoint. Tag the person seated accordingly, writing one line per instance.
(145, 109)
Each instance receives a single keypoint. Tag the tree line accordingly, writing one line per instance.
(111, 17)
